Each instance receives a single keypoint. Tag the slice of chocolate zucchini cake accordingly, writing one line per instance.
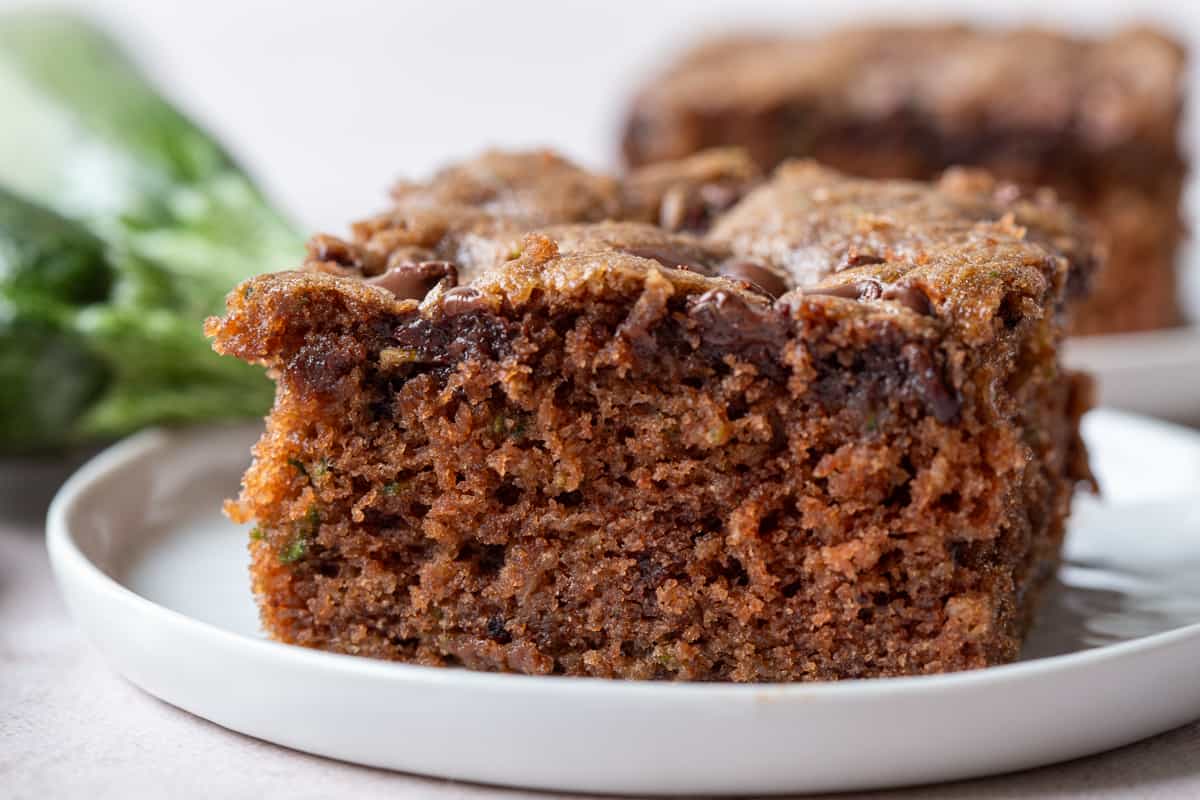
(675, 426)
(1096, 118)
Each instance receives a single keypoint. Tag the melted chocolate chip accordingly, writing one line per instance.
(462, 300)
(693, 209)
(759, 277)
(320, 367)
(942, 402)
(444, 341)
(414, 280)
(727, 318)
(731, 324)
(672, 258)
(847, 291)
(904, 294)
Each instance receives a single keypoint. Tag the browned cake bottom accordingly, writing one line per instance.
(613, 481)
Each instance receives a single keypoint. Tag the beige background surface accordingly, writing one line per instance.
(330, 102)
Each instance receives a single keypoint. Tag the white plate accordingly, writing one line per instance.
(158, 579)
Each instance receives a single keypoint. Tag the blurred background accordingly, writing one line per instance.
(326, 105)
(328, 102)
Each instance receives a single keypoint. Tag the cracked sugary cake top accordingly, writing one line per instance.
(954, 251)
(1106, 90)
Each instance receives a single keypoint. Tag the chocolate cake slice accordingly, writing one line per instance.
(687, 425)
(1096, 119)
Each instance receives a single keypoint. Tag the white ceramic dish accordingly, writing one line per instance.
(157, 578)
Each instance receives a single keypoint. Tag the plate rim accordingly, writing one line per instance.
(69, 562)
